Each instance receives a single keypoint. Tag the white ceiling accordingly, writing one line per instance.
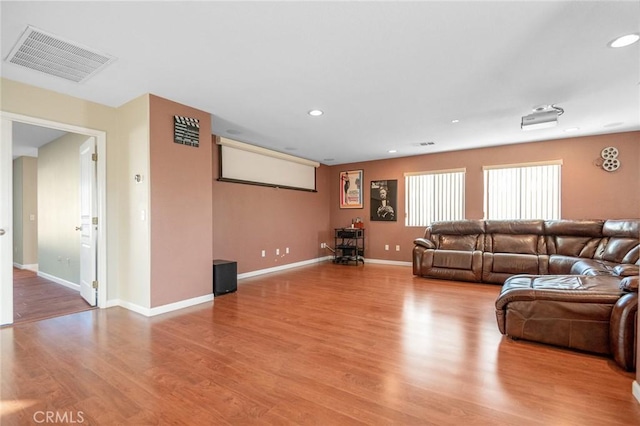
(388, 75)
(27, 139)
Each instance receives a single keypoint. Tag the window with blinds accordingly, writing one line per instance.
(522, 191)
(434, 196)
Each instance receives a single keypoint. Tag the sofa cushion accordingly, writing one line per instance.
(592, 267)
(572, 246)
(514, 227)
(506, 243)
(622, 228)
(560, 264)
(515, 263)
(453, 259)
(616, 249)
(457, 227)
(458, 242)
(578, 228)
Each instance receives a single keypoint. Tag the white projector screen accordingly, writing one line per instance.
(244, 163)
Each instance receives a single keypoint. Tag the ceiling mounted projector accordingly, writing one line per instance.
(542, 118)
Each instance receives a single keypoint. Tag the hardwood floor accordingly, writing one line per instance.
(36, 298)
(324, 344)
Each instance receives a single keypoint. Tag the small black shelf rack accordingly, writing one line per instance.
(349, 245)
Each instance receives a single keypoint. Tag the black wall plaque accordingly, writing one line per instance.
(186, 131)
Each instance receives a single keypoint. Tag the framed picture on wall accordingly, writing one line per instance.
(351, 194)
(384, 200)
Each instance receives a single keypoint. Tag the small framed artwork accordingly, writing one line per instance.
(351, 194)
(186, 131)
(383, 200)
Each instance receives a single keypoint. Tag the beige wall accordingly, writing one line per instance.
(25, 205)
(19, 98)
(587, 190)
(18, 209)
(133, 257)
(180, 207)
(249, 218)
(59, 207)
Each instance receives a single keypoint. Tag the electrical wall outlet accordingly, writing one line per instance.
(277, 252)
(264, 253)
(286, 250)
(386, 247)
(397, 248)
(323, 245)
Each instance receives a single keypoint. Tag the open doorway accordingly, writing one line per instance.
(47, 251)
(6, 213)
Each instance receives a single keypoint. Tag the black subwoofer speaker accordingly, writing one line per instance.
(225, 277)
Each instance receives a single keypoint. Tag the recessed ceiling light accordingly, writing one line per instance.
(455, 121)
(315, 113)
(392, 151)
(572, 129)
(625, 40)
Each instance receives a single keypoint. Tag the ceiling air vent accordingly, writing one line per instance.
(52, 55)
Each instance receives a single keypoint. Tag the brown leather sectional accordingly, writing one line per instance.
(571, 283)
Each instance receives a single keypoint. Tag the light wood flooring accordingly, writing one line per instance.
(324, 344)
(36, 298)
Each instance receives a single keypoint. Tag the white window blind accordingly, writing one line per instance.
(522, 191)
(434, 196)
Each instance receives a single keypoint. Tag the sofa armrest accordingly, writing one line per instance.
(626, 270)
(630, 284)
(622, 331)
(423, 242)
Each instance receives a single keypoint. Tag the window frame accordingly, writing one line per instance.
(557, 192)
(408, 222)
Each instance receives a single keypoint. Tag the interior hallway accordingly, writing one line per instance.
(36, 298)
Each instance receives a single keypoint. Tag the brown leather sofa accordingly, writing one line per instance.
(571, 283)
(593, 313)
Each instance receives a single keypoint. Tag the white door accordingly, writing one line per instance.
(6, 223)
(89, 226)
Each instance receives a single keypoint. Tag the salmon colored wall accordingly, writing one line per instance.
(587, 190)
(180, 207)
(249, 218)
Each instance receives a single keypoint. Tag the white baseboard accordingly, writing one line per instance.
(389, 262)
(30, 267)
(113, 303)
(150, 312)
(635, 390)
(72, 286)
(283, 267)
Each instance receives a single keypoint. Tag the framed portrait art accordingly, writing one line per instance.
(383, 200)
(351, 194)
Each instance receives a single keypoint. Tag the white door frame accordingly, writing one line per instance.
(87, 197)
(6, 223)
(101, 147)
